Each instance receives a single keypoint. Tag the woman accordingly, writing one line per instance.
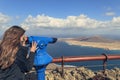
(13, 54)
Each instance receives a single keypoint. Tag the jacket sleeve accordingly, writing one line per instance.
(25, 63)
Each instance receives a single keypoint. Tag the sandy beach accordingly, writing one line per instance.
(115, 45)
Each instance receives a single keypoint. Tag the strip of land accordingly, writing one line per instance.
(111, 45)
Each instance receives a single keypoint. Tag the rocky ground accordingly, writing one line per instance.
(77, 73)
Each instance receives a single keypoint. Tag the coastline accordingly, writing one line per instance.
(110, 45)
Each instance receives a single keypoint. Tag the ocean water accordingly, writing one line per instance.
(63, 49)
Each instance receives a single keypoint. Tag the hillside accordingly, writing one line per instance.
(94, 39)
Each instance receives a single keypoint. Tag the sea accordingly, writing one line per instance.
(59, 49)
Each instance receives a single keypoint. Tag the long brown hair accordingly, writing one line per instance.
(10, 45)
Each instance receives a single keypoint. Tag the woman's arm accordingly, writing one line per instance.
(26, 63)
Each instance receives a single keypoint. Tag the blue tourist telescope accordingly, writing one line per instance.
(42, 58)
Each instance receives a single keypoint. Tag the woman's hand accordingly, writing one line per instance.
(33, 47)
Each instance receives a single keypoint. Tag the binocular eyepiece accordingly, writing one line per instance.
(42, 42)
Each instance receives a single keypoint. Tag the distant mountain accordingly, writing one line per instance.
(94, 39)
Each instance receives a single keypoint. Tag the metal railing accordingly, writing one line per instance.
(103, 57)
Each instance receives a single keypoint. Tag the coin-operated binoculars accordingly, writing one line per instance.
(42, 58)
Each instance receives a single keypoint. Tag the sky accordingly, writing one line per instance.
(62, 17)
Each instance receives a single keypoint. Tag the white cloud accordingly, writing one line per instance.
(116, 22)
(110, 13)
(4, 18)
(81, 21)
(43, 24)
(71, 25)
(17, 17)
